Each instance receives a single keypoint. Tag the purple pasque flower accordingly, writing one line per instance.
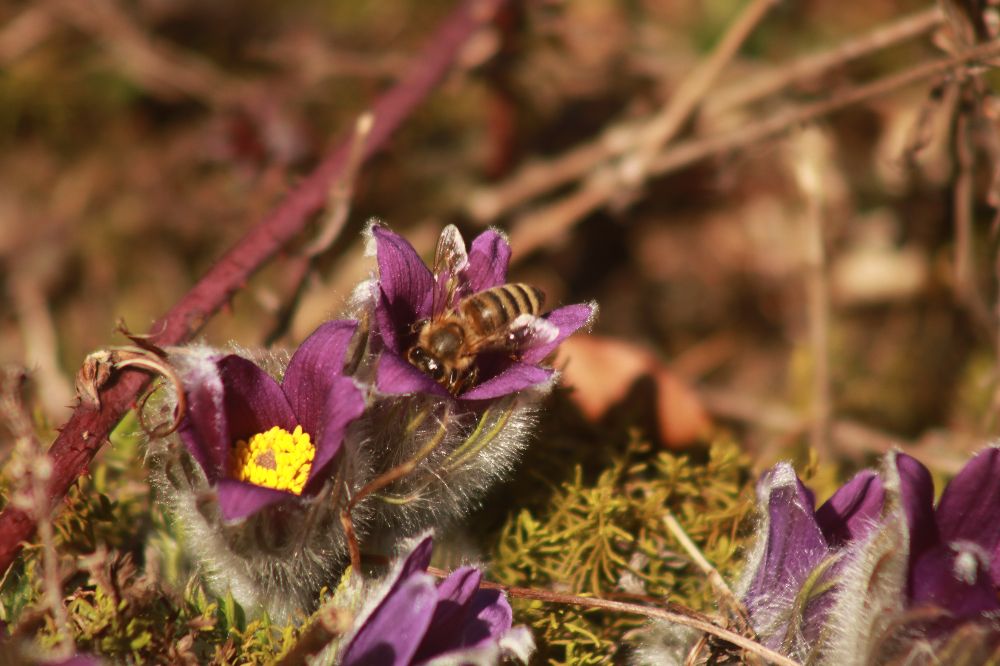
(408, 293)
(260, 442)
(878, 570)
(417, 620)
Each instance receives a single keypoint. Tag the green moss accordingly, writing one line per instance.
(607, 538)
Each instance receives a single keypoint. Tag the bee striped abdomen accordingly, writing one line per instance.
(490, 310)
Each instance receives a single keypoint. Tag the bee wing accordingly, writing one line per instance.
(524, 330)
(450, 258)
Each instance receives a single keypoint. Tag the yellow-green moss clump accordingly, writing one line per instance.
(608, 539)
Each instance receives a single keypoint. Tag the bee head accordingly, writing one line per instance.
(426, 363)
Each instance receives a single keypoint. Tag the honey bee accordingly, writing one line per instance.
(501, 318)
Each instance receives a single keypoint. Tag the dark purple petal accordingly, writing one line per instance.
(391, 634)
(916, 489)
(956, 578)
(205, 430)
(312, 371)
(406, 287)
(452, 619)
(517, 377)
(794, 546)
(344, 404)
(853, 510)
(238, 499)
(494, 613)
(969, 509)
(460, 585)
(254, 402)
(396, 375)
(489, 256)
(568, 319)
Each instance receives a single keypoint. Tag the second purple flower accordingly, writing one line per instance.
(460, 328)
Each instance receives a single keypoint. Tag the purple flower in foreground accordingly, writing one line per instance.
(417, 620)
(878, 571)
(408, 293)
(260, 442)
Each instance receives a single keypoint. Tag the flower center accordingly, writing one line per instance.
(274, 459)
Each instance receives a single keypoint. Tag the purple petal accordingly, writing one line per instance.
(466, 617)
(313, 369)
(794, 546)
(494, 612)
(460, 585)
(396, 375)
(419, 558)
(344, 404)
(955, 578)
(391, 634)
(852, 511)
(567, 319)
(452, 619)
(916, 489)
(254, 402)
(517, 377)
(406, 287)
(969, 509)
(204, 430)
(489, 256)
(238, 499)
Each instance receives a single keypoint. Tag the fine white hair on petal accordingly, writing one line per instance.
(362, 296)
(371, 247)
(871, 582)
(970, 560)
(594, 311)
(501, 233)
(537, 329)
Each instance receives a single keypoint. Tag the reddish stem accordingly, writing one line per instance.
(87, 429)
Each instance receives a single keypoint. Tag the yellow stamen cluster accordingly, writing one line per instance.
(274, 459)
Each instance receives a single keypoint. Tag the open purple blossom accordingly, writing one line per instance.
(416, 620)
(408, 294)
(877, 561)
(260, 442)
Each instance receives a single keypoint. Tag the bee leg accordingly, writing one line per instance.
(469, 380)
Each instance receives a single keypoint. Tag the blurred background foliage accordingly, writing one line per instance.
(140, 139)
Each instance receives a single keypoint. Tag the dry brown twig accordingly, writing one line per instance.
(728, 600)
(161, 68)
(671, 613)
(33, 468)
(538, 177)
(547, 225)
(811, 67)
(338, 210)
(665, 125)
(809, 161)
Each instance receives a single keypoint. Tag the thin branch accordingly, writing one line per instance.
(809, 163)
(728, 599)
(692, 89)
(811, 67)
(87, 429)
(546, 225)
(338, 210)
(538, 177)
(680, 615)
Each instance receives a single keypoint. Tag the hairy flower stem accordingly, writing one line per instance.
(86, 430)
(385, 479)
